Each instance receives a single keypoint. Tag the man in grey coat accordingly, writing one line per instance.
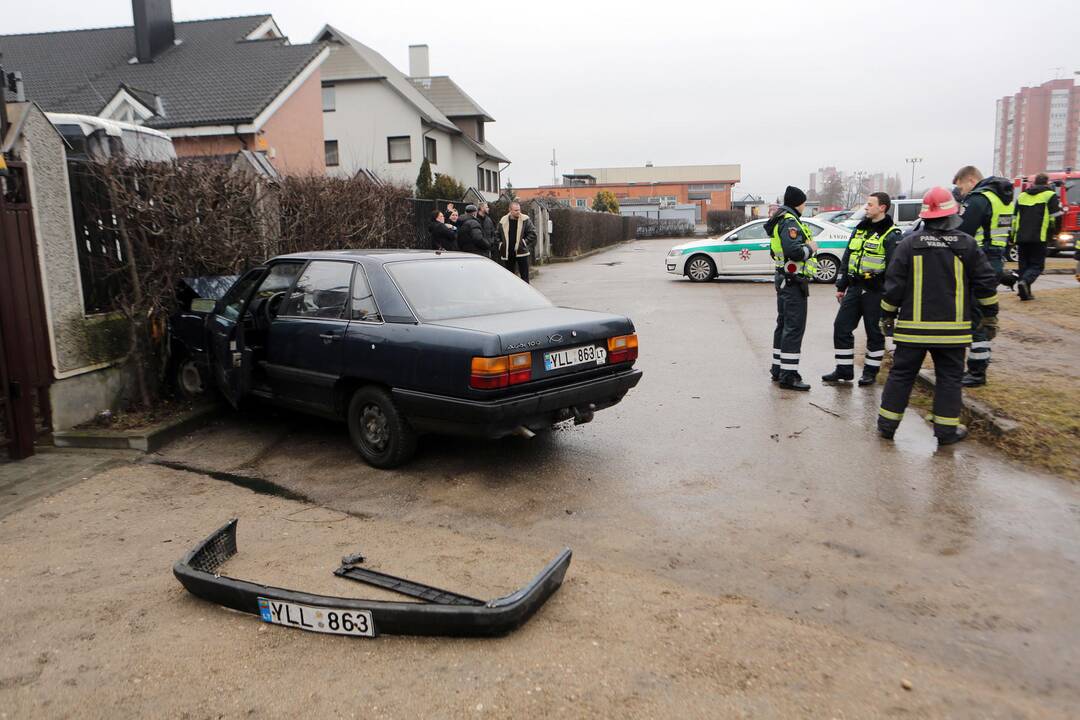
(516, 239)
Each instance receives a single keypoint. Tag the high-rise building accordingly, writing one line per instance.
(1036, 130)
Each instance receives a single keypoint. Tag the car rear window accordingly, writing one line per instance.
(440, 289)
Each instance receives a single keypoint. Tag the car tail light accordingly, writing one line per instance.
(623, 348)
(489, 373)
(520, 368)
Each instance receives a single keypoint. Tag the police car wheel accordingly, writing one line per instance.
(1013, 254)
(828, 266)
(700, 268)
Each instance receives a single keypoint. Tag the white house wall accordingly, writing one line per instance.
(366, 114)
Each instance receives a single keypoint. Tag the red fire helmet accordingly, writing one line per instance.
(938, 203)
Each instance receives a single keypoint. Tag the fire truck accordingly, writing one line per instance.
(1066, 232)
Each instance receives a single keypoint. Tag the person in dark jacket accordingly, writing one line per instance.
(792, 249)
(443, 236)
(470, 234)
(987, 217)
(858, 290)
(936, 277)
(1037, 211)
(516, 239)
(491, 232)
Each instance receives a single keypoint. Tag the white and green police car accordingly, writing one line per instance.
(745, 251)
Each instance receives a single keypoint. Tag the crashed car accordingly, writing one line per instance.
(398, 343)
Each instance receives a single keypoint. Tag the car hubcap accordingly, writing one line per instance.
(191, 379)
(374, 428)
(826, 270)
(699, 269)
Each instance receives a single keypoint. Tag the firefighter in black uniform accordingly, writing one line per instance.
(936, 276)
(987, 217)
(792, 249)
(858, 290)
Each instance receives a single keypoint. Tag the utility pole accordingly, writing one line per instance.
(913, 161)
(554, 165)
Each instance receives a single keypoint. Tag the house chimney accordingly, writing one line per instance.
(418, 61)
(154, 30)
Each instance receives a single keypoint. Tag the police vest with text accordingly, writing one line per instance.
(867, 258)
(796, 268)
(1001, 221)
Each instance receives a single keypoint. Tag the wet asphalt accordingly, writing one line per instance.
(709, 475)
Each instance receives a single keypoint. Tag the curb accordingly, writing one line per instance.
(146, 440)
(977, 409)
(594, 251)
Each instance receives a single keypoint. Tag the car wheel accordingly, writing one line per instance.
(700, 268)
(1012, 254)
(828, 267)
(188, 379)
(379, 431)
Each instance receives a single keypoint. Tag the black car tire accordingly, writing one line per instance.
(188, 378)
(379, 431)
(828, 267)
(697, 267)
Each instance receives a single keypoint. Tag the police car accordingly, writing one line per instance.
(745, 251)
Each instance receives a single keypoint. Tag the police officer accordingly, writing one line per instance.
(987, 217)
(792, 249)
(1036, 209)
(858, 290)
(933, 279)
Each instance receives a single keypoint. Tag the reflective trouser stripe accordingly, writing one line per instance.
(789, 366)
(845, 361)
(875, 353)
(872, 362)
(890, 415)
(844, 356)
(789, 356)
(938, 420)
(889, 307)
(992, 300)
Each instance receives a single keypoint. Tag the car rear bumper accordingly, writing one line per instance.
(497, 418)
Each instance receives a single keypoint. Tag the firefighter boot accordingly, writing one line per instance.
(840, 374)
(971, 379)
(869, 377)
(1023, 289)
(960, 434)
(791, 380)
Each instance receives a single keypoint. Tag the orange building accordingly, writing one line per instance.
(707, 186)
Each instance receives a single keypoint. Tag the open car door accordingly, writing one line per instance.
(230, 359)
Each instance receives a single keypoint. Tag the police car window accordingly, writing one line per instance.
(753, 232)
(907, 212)
(321, 292)
(815, 230)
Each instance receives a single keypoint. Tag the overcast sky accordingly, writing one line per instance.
(780, 88)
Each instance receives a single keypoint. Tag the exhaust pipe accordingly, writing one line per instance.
(524, 432)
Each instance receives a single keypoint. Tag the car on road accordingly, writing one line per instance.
(398, 343)
(836, 216)
(745, 251)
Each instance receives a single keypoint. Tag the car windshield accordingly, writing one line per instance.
(441, 289)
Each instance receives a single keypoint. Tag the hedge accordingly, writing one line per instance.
(576, 232)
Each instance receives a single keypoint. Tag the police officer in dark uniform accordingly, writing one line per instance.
(936, 277)
(987, 217)
(792, 249)
(1037, 211)
(858, 289)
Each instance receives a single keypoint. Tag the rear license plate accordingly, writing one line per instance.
(586, 354)
(317, 619)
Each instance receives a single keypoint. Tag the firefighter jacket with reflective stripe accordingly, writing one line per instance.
(1034, 209)
(868, 251)
(930, 283)
(1001, 220)
(789, 247)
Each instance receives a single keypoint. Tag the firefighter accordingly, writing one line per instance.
(858, 290)
(792, 249)
(987, 217)
(1036, 209)
(935, 278)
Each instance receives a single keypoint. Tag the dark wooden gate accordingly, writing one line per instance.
(25, 362)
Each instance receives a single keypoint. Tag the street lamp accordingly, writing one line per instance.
(913, 161)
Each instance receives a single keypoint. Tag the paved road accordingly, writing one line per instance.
(709, 476)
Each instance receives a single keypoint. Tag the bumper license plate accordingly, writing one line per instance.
(586, 354)
(317, 619)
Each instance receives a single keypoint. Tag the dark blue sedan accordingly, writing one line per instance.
(399, 343)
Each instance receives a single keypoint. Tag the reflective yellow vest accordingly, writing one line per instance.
(1028, 200)
(1001, 220)
(807, 268)
(867, 253)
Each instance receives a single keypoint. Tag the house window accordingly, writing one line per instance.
(329, 98)
(399, 149)
(581, 202)
(331, 150)
(431, 150)
(480, 131)
(480, 179)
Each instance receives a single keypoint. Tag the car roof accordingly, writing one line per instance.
(374, 255)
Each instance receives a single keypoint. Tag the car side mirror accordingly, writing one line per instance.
(732, 238)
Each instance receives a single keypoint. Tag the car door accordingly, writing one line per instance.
(305, 346)
(230, 365)
(746, 251)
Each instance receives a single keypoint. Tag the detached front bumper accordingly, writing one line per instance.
(497, 418)
(197, 572)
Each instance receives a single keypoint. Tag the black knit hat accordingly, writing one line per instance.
(794, 197)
